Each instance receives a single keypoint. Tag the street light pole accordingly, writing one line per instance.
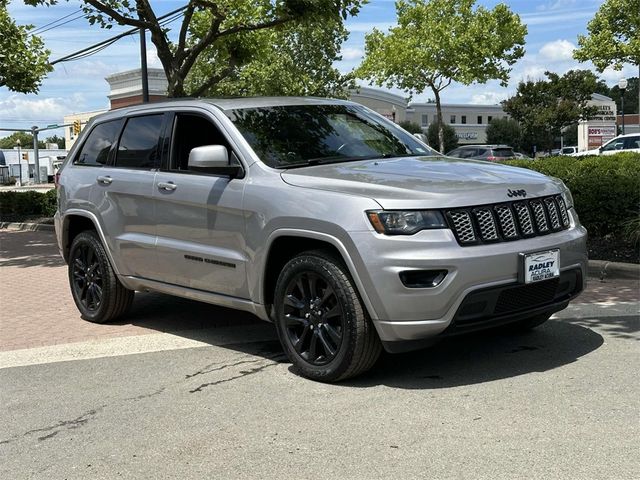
(622, 85)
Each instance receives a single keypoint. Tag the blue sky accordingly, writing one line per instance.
(78, 86)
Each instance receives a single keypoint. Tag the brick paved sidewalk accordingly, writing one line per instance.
(36, 308)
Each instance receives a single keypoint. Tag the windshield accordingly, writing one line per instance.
(301, 135)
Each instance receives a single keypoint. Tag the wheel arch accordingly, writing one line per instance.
(285, 244)
(77, 221)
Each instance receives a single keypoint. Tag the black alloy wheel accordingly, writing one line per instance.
(315, 322)
(87, 277)
(321, 322)
(95, 287)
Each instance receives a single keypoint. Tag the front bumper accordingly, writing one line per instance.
(402, 314)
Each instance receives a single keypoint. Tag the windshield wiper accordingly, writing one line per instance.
(326, 160)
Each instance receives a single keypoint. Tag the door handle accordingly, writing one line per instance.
(104, 179)
(167, 186)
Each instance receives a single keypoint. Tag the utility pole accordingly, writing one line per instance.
(36, 154)
(34, 131)
(143, 66)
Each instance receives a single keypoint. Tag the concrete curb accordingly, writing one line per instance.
(604, 269)
(597, 268)
(33, 227)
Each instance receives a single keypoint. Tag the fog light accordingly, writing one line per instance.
(422, 278)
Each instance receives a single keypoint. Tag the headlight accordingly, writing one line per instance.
(566, 195)
(396, 222)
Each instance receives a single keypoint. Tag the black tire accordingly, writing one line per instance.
(315, 299)
(529, 323)
(95, 288)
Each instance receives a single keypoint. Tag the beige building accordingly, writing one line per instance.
(82, 117)
(388, 104)
(469, 121)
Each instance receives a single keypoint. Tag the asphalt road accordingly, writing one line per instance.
(561, 402)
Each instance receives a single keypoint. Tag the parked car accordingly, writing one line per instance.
(623, 143)
(483, 152)
(568, 150)
(521, 156)
(320, 216)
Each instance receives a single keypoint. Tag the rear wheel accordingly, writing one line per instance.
(95, 288)
(320, 319)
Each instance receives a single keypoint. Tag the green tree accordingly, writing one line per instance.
(225, 22)
(293, 59)
(505, 131)
(544, 107)
(410, 126)
(438, 42)
(57, 140)
(23, 59)
(434, 133)
(25, 139)
(614, 37)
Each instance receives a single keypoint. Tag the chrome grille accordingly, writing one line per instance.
(553, 213)
(487, 224)
(524, 218)
(508, 221)
(563, 211)
(538, 213)
(463, 226)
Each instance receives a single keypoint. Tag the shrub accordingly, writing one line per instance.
(605, 189)
(18, 206)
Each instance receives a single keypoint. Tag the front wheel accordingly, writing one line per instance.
(96, 290)
(321, 322)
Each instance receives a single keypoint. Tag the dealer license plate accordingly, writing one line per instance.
(541, 266)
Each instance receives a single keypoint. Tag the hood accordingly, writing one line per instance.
(424, 182)
(584, 153)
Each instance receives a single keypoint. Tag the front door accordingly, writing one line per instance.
(200, 222)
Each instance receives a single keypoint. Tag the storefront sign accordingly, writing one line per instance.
(604, 114)
(467, 135)
(598, 136)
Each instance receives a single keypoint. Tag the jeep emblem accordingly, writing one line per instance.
(516, 193)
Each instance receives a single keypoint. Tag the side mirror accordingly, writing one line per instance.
(212, 159)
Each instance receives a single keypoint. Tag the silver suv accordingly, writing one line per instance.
(321, 216)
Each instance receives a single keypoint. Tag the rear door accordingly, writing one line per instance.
(200, 221)
(632, 143)
(123, 194)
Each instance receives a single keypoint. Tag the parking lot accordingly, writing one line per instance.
(181, 389)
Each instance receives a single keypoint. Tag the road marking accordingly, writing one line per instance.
(154, 342)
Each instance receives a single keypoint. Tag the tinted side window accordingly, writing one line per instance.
(632, 142)
(138, 147)
(95, 150)
(191, 131)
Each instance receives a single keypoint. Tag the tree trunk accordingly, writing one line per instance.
(436, 93)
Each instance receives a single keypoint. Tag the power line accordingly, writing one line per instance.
(37, 29)
(60, 24)
(97, 47)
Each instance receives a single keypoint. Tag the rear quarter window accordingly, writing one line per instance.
(95, 151)
(503, 152)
